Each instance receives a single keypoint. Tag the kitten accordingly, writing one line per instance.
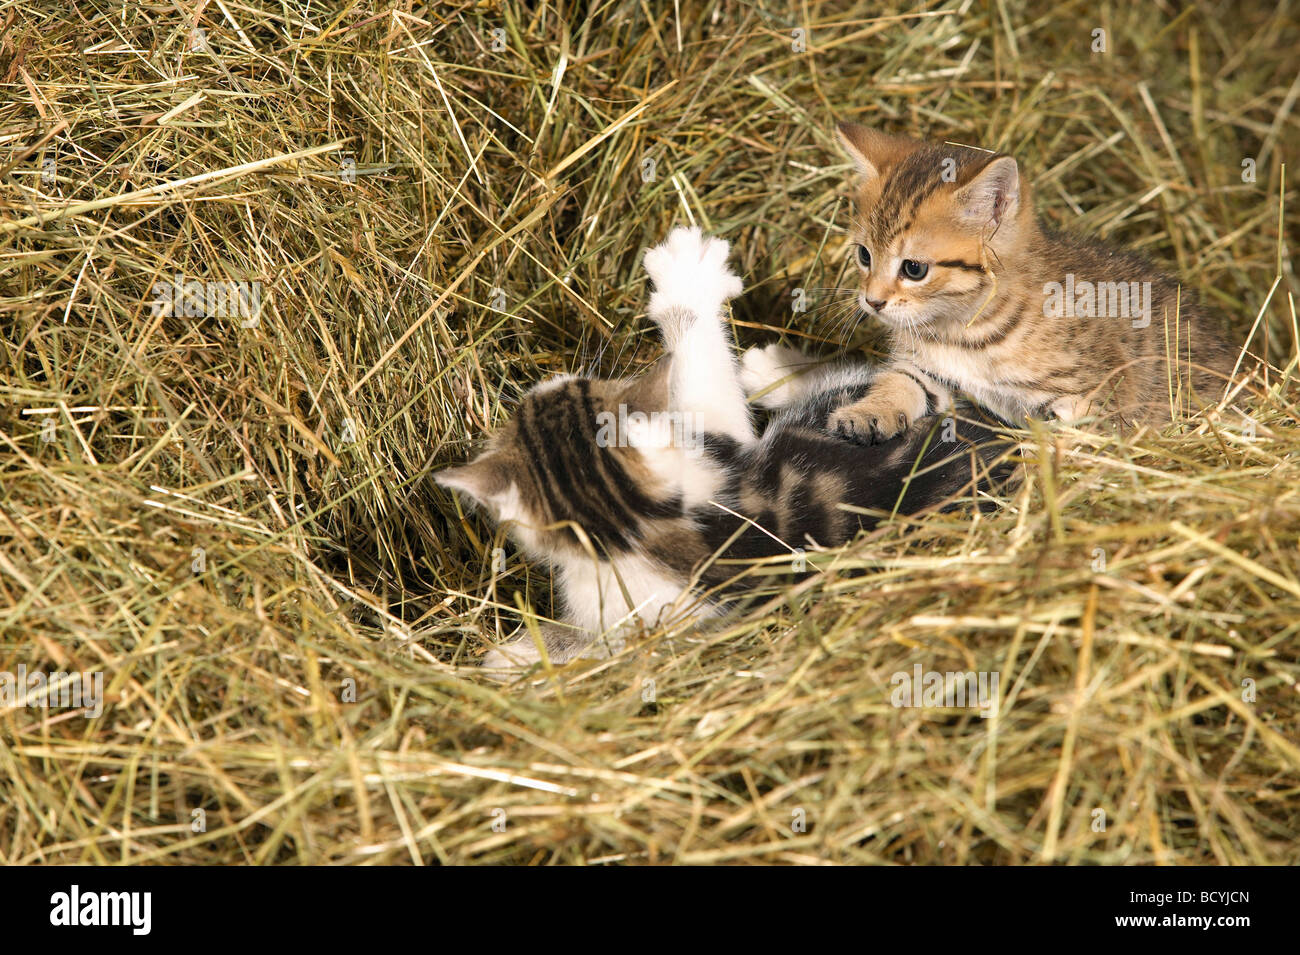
(650, 497)
(981, 297)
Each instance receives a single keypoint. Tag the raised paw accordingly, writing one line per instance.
(770, 374)
(690, 271)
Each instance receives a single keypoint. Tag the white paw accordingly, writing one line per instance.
(690, 271)
(762, 368)
(562, 645)
(513, 656)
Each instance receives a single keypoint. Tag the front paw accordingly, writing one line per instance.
(1071, 408)
(769, 375)
(861, 426)
(690, 271)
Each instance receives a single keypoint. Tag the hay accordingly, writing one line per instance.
(382, 172)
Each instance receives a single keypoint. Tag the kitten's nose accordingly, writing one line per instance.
(876, 305)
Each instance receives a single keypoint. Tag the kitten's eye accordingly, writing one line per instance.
(864, 257)
(914, 270)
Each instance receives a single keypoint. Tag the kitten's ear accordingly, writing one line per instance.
(484, 478)
(872, 151)
(993, 196)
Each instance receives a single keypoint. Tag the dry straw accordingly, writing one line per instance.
(232, 519)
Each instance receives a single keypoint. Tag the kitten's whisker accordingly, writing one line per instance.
(600, 355)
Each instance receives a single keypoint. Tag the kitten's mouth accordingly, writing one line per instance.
(895, 320)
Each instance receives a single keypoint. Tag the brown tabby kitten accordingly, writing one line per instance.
(650, 498)
(981, 297)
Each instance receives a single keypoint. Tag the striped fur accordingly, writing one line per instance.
(653, 524)
(983, 319)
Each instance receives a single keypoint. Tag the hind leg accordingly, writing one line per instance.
(692, 282)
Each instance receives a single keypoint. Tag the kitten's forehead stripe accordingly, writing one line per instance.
(618, 482)
(912, 182)
(917, 177)
(600, 509)
(580, 481)
(529, 436)
(562, 465)
(613, 498)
